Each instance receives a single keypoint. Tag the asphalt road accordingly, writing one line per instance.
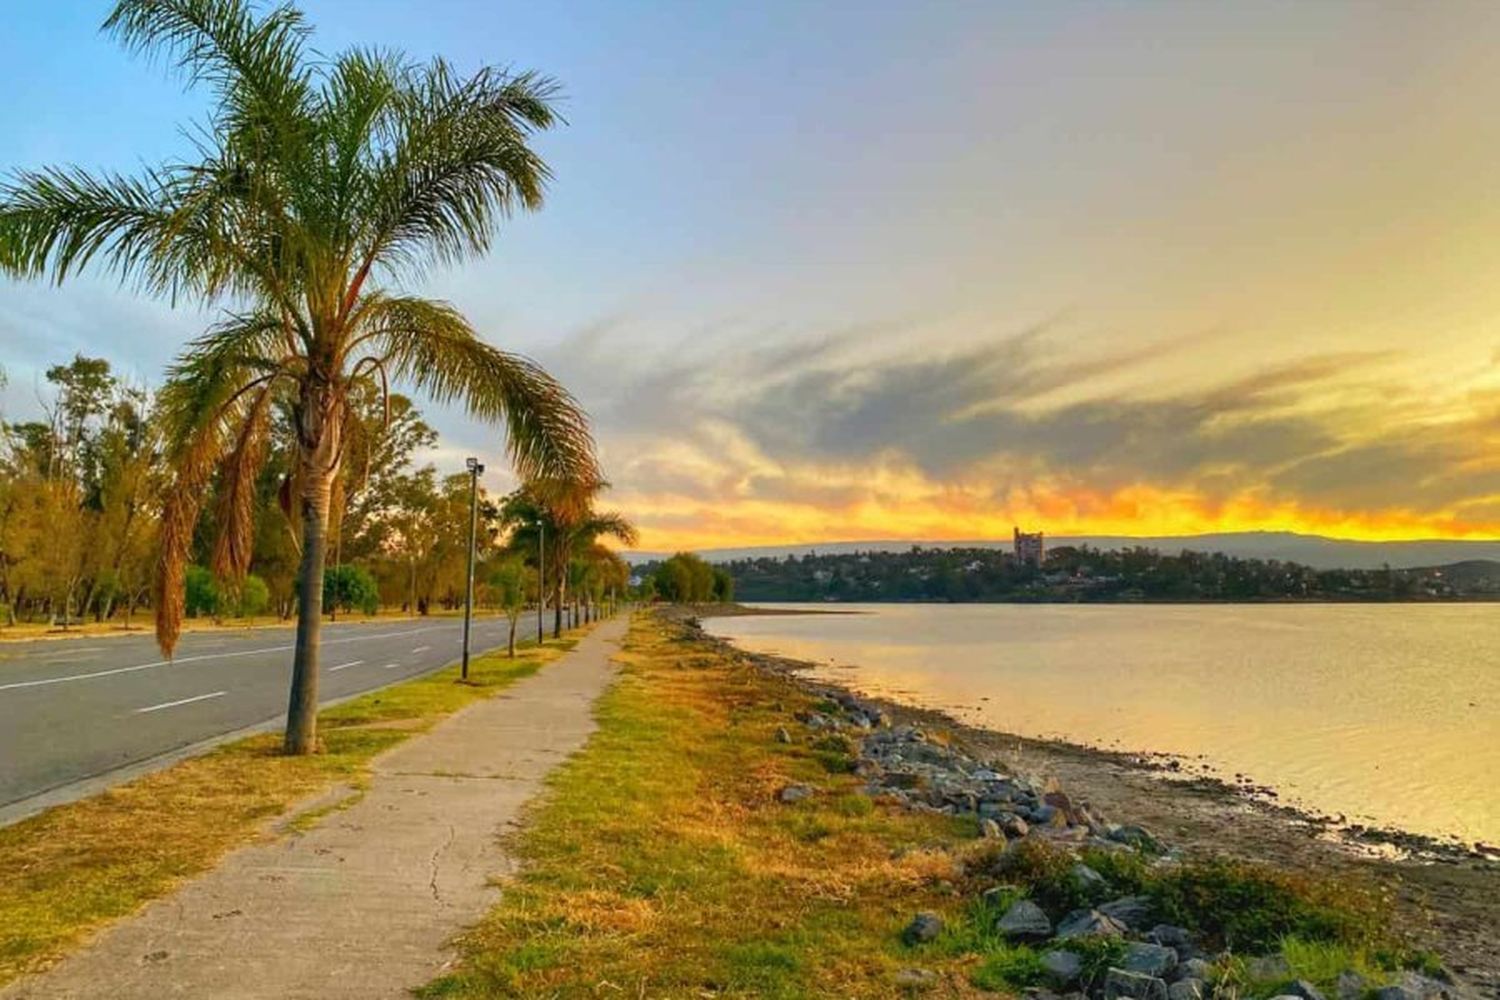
(87, 708)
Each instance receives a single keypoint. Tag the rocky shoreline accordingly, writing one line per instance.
(1447, 899)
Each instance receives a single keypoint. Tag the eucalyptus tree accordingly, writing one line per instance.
(319, 184)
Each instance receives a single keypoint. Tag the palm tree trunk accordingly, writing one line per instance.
(318, 436)
(302, 711)
(557, 614)
(512, 637)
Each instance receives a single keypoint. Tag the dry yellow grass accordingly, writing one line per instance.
(73, 868)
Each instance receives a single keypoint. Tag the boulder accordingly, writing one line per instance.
(1128, 911)
(1087, 879)
(1061, 967)
(924, 927)
(1172, 937)
(1193, 968)
(1188, 989)
(795, 793)
(1351, 986)
(1134, 836)
(1024, 920)
(1088, 923)
(782, 736)
(1304, 989)
(1151, 959)
(1120, 984)
(990, 830)
(1013, 825)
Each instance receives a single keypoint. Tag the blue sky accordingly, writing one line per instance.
(832, 269)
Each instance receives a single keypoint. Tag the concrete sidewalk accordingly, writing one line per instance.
(363, 905)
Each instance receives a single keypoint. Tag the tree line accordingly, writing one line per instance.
(1074, 574)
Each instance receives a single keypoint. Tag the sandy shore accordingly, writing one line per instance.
(1450, 898)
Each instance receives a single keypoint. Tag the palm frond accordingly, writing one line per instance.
(458, 161)
(432, 346)
(255, 63)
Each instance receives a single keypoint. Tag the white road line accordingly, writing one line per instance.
(392, 666)
(345, 666)
(421, 649)
(184, 701)
(206, 656)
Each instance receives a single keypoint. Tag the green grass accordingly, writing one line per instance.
(75, 867)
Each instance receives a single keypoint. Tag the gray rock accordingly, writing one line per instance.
(1304, 989)
(1424, 988)
(1128, 911)
(1121, 983)
(1062, 967)
(924, 927)
(795, 793)
(1190, 988)
(1152, 959)
(990, 830)
(1023, 920)
(1351, 985)
(1087, 879)
(1014, 826)
(1088, 923)
(1172, 937)
(1134, 836)
(782, 736)
(916, 978)
(1193, 968)
(1045, 815)
(1268, 968)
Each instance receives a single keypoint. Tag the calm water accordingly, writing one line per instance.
(1388, 714)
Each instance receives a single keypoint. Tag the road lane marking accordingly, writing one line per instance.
(42, 682)
(345, 666)
(421, 649)
(184, 701)
(392, 666)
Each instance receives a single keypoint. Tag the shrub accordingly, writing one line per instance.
(1010, 966)
(350, 588)
(1251, 908)
(203, 594)
(255, 597)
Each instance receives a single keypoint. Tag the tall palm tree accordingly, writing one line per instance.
(563, 513)
(318, 184)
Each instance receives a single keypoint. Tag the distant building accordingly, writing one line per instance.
(1029, 547)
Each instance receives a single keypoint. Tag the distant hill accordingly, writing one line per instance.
(1309, 550)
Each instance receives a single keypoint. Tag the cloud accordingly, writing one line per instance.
(861, 432)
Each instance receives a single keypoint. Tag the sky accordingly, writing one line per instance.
(829, 270)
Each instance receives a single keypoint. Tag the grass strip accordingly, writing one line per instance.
(75, 867)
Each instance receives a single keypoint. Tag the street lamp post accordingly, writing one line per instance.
(475, 470)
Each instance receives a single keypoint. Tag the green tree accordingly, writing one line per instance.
(513, 583)
(564, 514)
(351, 588)
(318, 178)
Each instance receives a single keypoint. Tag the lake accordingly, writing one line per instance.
(1387, 714)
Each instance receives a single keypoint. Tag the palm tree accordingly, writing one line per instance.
(318, 184)
(563, 512)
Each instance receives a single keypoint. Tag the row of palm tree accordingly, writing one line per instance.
(319, 188)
